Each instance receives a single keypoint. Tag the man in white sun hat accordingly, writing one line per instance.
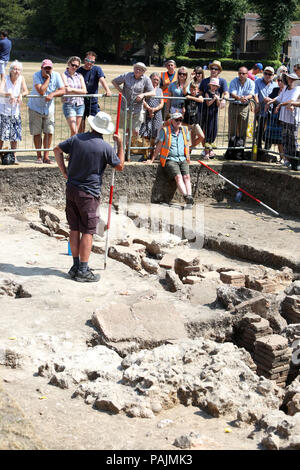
(89, 155)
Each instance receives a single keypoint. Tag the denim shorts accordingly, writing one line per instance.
(3, 64)
(71, 110)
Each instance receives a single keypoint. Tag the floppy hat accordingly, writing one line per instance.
(259, 66)
(294, 76)
(102, 123)
(47, 63)
(176, 115)
(214, 81)
(141, 65)
(217, 63)
(269, 69)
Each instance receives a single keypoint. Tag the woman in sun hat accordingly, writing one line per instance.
(289, 118)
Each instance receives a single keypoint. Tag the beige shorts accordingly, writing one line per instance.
(39, 123)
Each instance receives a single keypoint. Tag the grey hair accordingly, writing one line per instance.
(74, 57)
(16, 63)
(154, 74)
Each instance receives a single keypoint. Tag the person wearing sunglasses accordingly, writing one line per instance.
(263, 88)
(166, 78)
(173, 150)
(273, 130)
(241, 89)
(94, 77)
(73, 107)
(48, 84)
(177, 89)
(289, 118)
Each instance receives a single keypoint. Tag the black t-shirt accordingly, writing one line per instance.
(89, 155)
(91, 78)
(191, 111)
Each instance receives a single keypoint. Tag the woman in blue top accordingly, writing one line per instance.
(177, 89)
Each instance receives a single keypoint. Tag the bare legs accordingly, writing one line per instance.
(75, 124)
(37, 139)
(81, 245)
(183, 183)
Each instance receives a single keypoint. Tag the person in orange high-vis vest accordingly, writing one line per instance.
(173, 149)
(166, 78)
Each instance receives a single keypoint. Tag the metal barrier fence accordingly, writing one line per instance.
(61, 127)
(229, 126)
(277, 140)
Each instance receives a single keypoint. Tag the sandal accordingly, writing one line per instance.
(47, 160)
(39, 160)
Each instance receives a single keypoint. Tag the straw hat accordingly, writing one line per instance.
(215, 63)
(102, 123)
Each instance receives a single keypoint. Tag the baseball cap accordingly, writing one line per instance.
(47, 63)
(176, 115)
(269, 69)
(259, 66)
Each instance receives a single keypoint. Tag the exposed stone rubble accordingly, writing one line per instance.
(290, 308)
(145, 324)
(272, 356)
(12, 288)
(277, 431)
(233, 278)
(189, 441)
(214, 377)
(250, 329)
(53, 222)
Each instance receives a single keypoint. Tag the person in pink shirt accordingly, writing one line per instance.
(257, 68)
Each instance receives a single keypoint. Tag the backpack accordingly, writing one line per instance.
(8, 158)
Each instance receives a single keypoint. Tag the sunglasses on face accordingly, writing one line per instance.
(214, 68)
(178, 120)
(199, 73)
(279, 80)
(89, 61)
(269, 74)
(74, 65)
(181, 73)
(47, 68)
(242, 73)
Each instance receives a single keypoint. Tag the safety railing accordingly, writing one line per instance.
(277, 137)
(227, 127)
(62, 130)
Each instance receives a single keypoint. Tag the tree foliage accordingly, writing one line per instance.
(78, 25)
(14, 16)
(224, 15)
(275, 22)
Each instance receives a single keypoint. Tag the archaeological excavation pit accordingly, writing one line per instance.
(196, 310)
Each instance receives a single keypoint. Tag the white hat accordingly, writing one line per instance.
(141, 65)
(102, 123)
(292, 75)
(176, 115)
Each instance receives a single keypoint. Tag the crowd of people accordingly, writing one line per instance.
(75, 82)
(151, 101)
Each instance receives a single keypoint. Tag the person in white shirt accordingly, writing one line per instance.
(12, 89)
(289, 116)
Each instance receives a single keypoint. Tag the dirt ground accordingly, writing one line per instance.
(61, 308)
